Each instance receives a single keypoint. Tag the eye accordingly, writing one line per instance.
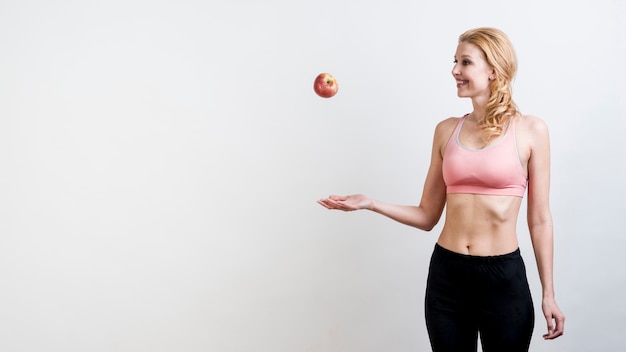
(464, 62)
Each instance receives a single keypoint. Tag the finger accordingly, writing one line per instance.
(333, 205)
(341, 206)
(552, 335)
(560, 326)
(555, 332)
(550, 328)
(327, 203)
(323, 203)
(338, 198)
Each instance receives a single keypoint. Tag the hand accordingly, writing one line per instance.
(347, 203)
(553, 315)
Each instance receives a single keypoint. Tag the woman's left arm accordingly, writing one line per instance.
(540, 221)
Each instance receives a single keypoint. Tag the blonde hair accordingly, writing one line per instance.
(500, 55)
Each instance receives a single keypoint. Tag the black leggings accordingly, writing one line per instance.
(468, 294)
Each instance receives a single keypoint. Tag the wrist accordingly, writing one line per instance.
(547, 295)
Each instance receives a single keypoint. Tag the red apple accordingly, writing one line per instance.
(325, 85)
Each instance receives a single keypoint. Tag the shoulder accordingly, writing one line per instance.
(445, 127)
(532, 126)
(532, 135)
(443, 133)
(449, 122)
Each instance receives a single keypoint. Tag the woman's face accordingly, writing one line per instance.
(471, 72)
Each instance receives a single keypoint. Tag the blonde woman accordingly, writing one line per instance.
(482, 165)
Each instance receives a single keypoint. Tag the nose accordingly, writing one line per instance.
(455, 70)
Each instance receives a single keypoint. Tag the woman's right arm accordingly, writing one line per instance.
(423, 216)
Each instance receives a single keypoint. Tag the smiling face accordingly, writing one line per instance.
(472, 73)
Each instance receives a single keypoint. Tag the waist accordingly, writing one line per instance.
(479, 259)
(479, 244)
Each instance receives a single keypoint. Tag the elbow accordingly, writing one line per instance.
(428, 226)
(429, 221)
(539, 220)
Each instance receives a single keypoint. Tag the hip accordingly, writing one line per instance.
(477, 276)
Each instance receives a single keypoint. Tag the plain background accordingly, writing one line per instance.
(161, 161)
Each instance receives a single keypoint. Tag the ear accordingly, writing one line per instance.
(492, 74)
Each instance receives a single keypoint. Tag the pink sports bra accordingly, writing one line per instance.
(494, 170)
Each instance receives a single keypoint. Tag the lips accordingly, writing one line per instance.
(460, 83)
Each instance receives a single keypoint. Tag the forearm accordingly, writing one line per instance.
(415, 216)
(543, 245)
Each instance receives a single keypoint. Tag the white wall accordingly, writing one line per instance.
(161, 161)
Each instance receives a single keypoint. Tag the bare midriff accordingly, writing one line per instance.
(481, 225)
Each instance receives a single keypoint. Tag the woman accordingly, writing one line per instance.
(481, 165)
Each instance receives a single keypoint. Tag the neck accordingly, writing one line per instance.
(480, 110)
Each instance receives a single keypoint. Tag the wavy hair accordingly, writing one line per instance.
(500, 55)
